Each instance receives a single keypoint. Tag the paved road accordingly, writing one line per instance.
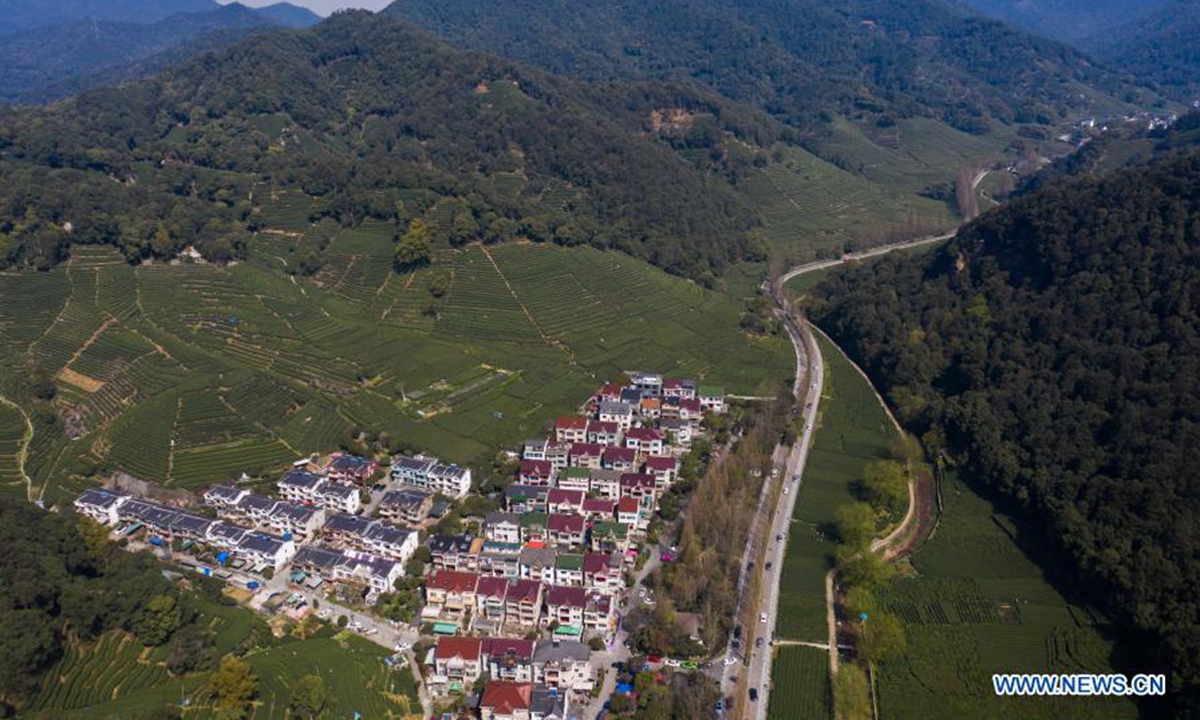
(758, 671)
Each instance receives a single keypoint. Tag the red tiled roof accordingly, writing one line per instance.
(560, 522)
(600, 505)
(492, 587)
(523, 590)
(463, 647)
(536, 467)
(505, 697)
(563, 495)
(596, 562)
(452, 581)
(661, 462)
(644, 433)
(573, 422)
(566, 595)
(637, 480)
(586, 449)
(513, 647)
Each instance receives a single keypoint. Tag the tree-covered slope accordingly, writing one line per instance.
(1054, 348)
(374, 119)
(23, 15)
(1068, 20)
(49, 62)
(876, 59)
(1157, 47)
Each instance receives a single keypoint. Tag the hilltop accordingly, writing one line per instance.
(873, 60)
(50, 62)
(371, 118)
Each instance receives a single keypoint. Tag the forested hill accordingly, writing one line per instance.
(1054, 348)
(800, 59)
(1158, 47)
(48, 63)
(1070, 20)
(375, 119)
(24, 15)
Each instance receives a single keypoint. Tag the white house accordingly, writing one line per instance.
(101, 505)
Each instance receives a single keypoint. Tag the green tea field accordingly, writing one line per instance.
(800, 684)
(976, 604)
(190, 374)
(117, 677)
(810, 205)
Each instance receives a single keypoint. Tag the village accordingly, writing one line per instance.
(516, 614)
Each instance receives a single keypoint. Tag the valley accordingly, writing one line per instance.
(538, 360)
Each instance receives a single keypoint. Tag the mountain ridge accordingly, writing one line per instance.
(798, 59)
(50, 62)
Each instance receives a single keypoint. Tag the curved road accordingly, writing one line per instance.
(809, 360)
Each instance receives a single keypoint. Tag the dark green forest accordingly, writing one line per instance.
(1053, 349)
(378, 121)
(802, 60)
(48, 63)
(61, 581)
(1158, 47)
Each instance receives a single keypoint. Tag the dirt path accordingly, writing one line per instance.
(23, 454)
(528, 315)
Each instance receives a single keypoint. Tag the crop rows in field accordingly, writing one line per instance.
(197, 467)
(480, 307)
(800, 688)
(110, 352)
(355, 676)
(262, 400)
(12, 439)
(96, 674)
(315, 427)
(1000, 615)
(285, 210)
(69, 332)
(143, 378)
(139, 442)
(205, 420)
(29, 303)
